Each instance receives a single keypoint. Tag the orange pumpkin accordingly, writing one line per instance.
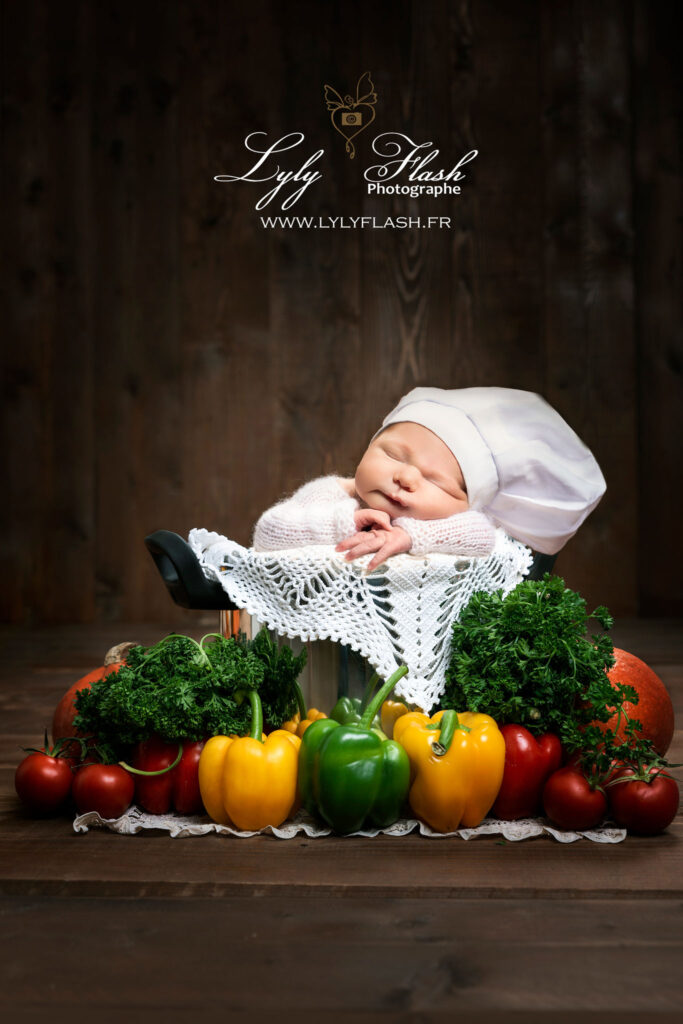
(65, 712)
(654, 708)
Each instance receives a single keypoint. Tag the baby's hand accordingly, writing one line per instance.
(383, 538)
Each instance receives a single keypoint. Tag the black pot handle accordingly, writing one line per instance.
(181, 572)
(540, 565)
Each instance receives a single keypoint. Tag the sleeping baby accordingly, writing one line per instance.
(445, 469)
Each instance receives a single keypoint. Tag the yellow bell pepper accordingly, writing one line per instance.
(391, 710)
(297, 726)
(456, 763)
(250, 782)
(293, 724)
(312, 715)
(300, 722)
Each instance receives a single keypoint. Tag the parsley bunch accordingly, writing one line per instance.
(526, 658)
(183, 689)
(281, 668)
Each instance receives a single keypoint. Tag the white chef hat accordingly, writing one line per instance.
(523, 464)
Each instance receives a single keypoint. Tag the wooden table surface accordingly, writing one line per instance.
(152, 928)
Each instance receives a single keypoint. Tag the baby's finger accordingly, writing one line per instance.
(364, 548)
(358, 552)
(350, 542)
(386, 551)
(390, 547)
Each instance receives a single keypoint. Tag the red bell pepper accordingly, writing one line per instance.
(528, 763)
(176, 789)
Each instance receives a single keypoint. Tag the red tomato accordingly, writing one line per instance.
(644, 806)
(571, 802)
(65, 712)
(105, 788)
(654, 708)
(43, 782)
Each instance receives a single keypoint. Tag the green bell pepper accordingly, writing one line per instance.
(348, 775)
(349, 710)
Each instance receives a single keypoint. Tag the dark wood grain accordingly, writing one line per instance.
(156, 381)
(507, 331)
(588, 262)
(216, 867)
(48, 434)
(374, 956)
(229, 419)
(118, 348)
(464, 137)
(659, 289)
(66, 536)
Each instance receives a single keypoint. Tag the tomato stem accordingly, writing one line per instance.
(58, 749)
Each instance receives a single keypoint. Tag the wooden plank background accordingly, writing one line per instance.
(169, 363)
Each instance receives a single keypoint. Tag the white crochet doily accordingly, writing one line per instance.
(135, 820)
(401, 613)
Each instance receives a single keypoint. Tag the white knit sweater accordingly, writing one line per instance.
(321, 512)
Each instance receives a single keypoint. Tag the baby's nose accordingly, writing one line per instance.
(407, 476)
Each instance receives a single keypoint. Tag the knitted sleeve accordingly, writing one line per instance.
(465, 533)
(320, 512)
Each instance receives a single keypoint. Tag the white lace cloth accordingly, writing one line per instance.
(401, 613)
(135, 820)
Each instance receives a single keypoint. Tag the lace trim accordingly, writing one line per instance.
(135, 821)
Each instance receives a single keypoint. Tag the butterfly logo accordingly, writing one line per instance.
(350, 117)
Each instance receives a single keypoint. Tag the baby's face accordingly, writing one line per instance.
(409, 471)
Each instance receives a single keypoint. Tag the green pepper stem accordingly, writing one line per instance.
(381, 695)
(369, 690)
(161, 771)
(301, 703)
(450, 724)
(256, 730)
